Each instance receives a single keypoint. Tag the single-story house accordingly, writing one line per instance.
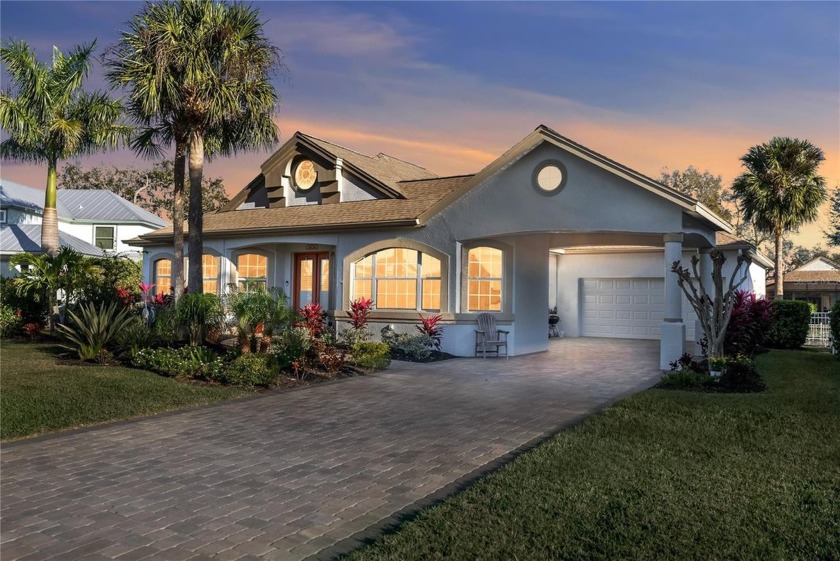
(817, 282)
(549, 223)
(91, 221)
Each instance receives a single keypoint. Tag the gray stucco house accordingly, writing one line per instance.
(548, 223)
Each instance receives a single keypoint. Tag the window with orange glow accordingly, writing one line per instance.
(484, 283)
(252, 270)
(163, 276)
(211, 266)
(398, 279)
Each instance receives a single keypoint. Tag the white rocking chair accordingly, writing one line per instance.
(488, 337)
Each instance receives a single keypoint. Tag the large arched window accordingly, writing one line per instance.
(163, 276)
(252, 270)
(398, 278)
(485, 280)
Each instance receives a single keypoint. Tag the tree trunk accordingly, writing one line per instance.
(779, 273)
(49, 222)
(178, 216)
(196, 214)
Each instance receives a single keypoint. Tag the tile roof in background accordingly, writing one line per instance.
(16, 238)
(812, 276)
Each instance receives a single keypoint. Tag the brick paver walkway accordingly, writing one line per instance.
(289, 475)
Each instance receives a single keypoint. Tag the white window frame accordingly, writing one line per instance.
(113, 237)
(419, 278)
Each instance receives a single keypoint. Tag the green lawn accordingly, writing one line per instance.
(37, 395)
(662, 475)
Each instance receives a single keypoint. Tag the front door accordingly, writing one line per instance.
(312, 279)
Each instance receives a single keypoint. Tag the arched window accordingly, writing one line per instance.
(252, 270)
(484, 283)
(398, 278)
(163, 276)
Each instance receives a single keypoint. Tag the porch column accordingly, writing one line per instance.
(672, 344)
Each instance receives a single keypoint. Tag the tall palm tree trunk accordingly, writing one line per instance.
(49, 223)
(196, 214)
(780, 274)
(178, 216)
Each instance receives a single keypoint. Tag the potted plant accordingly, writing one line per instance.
(716, 364)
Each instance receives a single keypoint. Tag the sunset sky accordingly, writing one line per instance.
(450, 86)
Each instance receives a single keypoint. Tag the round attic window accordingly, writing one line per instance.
(305, 175)
(549, 177)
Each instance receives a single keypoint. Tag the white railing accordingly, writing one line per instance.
(819, 334)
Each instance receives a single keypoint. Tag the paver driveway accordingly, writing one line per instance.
(289, 475)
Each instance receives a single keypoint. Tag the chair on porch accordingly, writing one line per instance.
(488, 336)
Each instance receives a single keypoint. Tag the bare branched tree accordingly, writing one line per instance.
(713, 311)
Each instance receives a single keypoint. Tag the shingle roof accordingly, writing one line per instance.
(17, 238)
(420, 195)
(385, 168)
(724, 240)
(812, 276)
(78, 204)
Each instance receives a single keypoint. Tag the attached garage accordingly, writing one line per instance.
(627, 308)
(624, 308)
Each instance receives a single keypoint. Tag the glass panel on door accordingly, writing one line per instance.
(324, 296)
(312, 279)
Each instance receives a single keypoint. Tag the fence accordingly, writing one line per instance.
(819, 334)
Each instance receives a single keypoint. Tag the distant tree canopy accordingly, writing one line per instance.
(703, 186)
(126, 182)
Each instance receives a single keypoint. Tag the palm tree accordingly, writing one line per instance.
(48, 117)
(781, 190)
(198, 73)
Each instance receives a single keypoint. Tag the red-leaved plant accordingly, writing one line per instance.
(749, 324)
(311, 319)
(429, 326)
(359, 313)
(125, 296)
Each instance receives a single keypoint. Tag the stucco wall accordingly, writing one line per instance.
(122, 232)
(354, 190)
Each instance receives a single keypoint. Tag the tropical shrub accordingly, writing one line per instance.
(686, 379)
(834, 325)
(749, 324)
(165, 326)
(31, 309)
(330, 358)
(740, 375)
(187, 362)
(136, 336)
(109, 279)
(94, 329)
(259, 312)
(9, 320)
(405, 346)
(790, 324)
(312, 319)
(197, 314)
(429, 326)
(359, 313)
(290, 346)
(250, 370)
(371, 355)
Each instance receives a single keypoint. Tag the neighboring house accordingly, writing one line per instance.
(549, 223)
(817, 281)
(90, 221)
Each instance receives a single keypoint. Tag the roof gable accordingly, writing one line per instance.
(821, 263)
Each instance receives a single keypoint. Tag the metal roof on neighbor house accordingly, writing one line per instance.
(17, 238)
(79, 204)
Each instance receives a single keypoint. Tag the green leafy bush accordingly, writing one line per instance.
(371, 355)
(259, 310)
(196, 363)
(93, 329)
(135, 336)
(685, 380)
(740, 375)
(32, 309)
(835, 327)
(790, 324)
(290, 346)
(251, 370)
(405, 346)
(198, 314)
(9, 321)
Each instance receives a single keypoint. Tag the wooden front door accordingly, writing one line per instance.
(312, 279)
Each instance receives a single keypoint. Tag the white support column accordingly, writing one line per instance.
(704, 269)
(672, 344)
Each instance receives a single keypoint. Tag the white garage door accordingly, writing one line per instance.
(626, 308)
